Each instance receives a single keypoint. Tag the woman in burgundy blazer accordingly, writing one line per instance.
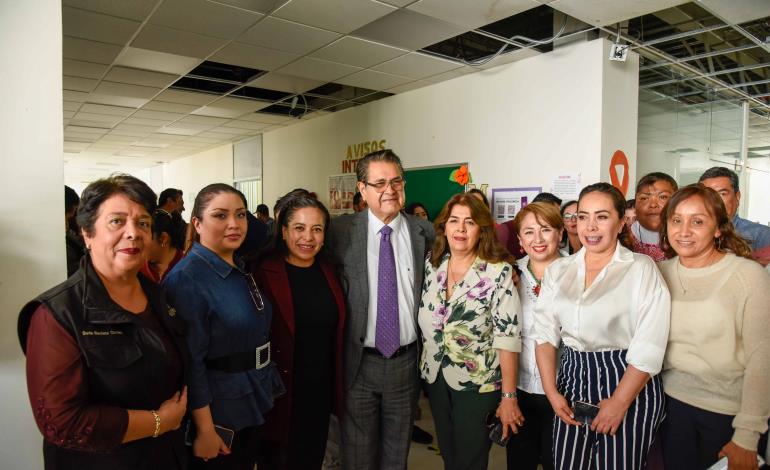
(306, 337)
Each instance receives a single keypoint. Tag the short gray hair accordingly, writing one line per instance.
(387, 155)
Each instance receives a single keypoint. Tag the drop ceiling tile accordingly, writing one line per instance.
(170, 107)
(471, 15)
(510, 57)
(78, 137)
(77, 96)
(203, 120)
(97, 27)
(134, 9)
(157, 61)
(342, 16)
(204, 17)
(286, 83)
(603, 12)
(134, 152)
(140, 77)
(316, 69)
(146, 122)
(265, 118)
(107, 119)
(416, 65)
(254, 126)
(71, 105)
(77, 68)
(256, 57)
(738, 12)
(358, 52)
(283, 35)
(409, 86)
(172, 41)
(459, 72)
(89, 51)
(409, 30)
(373, 80)
(102, 109)
(202, 140)
(116, 137)
(78, 84)
(234, 131)
(185, 97)
(125, 89)
(115, 100)
(182, 131)
(85, 130)
(259, 6)
(230, 108)
(160, 115)
(217, 135)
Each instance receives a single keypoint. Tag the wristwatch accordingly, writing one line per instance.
(508, 394)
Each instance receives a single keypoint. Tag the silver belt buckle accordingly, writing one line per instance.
(262, 365)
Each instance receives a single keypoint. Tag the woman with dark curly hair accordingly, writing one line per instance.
(715, 369)
(470, 322)
(105, 354)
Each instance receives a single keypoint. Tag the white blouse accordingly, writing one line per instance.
(529, 375)
(628, 306)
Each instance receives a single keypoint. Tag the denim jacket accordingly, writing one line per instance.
(223, 318)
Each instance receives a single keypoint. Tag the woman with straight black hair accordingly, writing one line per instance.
(232, 379)
(609, 308)
(307, 332)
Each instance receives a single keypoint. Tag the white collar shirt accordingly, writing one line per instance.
(628, 306)
(529, 375)
(402, 251)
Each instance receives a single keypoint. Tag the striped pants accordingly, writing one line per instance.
(592, 377)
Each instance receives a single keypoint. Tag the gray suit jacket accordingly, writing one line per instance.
(347, 239)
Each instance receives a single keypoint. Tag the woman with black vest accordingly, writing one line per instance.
(105, 354)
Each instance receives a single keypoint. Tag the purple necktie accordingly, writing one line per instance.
(387, 339)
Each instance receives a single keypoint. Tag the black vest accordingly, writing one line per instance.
(123, 361)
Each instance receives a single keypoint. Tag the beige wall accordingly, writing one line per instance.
(32, 253)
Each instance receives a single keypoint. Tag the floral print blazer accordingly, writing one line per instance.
(461, 336)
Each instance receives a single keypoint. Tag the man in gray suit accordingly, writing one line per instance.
(382, 254)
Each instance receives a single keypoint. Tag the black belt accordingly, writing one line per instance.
(399, 351)
(239, 362)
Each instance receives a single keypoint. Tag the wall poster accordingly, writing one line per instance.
(507, 202)
(342, 188)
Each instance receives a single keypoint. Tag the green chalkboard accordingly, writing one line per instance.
(431, 187)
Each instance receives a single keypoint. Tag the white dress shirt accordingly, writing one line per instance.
(529, 375)
(402, 251)
(628, 306)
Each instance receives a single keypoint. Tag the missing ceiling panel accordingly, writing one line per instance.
(285, 110)
(202, 85)
(536, 24)
(225, 72)
(340, 92)
(262, 94)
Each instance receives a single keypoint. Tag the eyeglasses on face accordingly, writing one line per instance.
(396, 183)
(567, 217)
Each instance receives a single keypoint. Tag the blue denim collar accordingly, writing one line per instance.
(217, 264)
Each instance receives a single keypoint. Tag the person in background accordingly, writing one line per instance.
(307, 332)
(382, 255)
(263, 214)
(630, 215)
(469, 320)
(166, 247)
(418, 210)
(548, 198)
(73, 239)
(725, 182)
(540, 228)
(358, 202)
(715, 369)
(506, 232)
(106, 356)
(610, 309)
(652, 192)
(570, 242)
(479, 194)
(171, 200)
(232, 379)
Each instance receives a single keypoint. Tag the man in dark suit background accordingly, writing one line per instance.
(382, 254)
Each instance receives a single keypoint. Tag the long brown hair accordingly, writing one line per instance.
(488, 247)
(728, 241)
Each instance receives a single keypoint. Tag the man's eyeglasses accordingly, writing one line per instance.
(567, 217)
(396, 183)
(256, 297)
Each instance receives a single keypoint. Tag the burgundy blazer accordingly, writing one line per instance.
(272, 278)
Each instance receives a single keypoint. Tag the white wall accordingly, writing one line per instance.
(518, 125)
(192, 173)
(32, 252)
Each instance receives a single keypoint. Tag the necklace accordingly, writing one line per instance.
(536, 289)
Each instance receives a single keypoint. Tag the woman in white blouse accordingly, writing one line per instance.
(539, 227)
(611, 309)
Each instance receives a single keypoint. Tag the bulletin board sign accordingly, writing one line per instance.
(342, 188)
(507, 202)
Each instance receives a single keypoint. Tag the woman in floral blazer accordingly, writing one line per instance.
(469, 317)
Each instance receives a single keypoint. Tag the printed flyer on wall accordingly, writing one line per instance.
(342, 188)
(507, 202)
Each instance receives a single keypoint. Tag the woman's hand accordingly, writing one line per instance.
(739, 458)
(611, 414)
(172, 411)
(562, 409)
(510, 415)
(208, 445)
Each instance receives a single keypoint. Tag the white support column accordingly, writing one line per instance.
(743, 208)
